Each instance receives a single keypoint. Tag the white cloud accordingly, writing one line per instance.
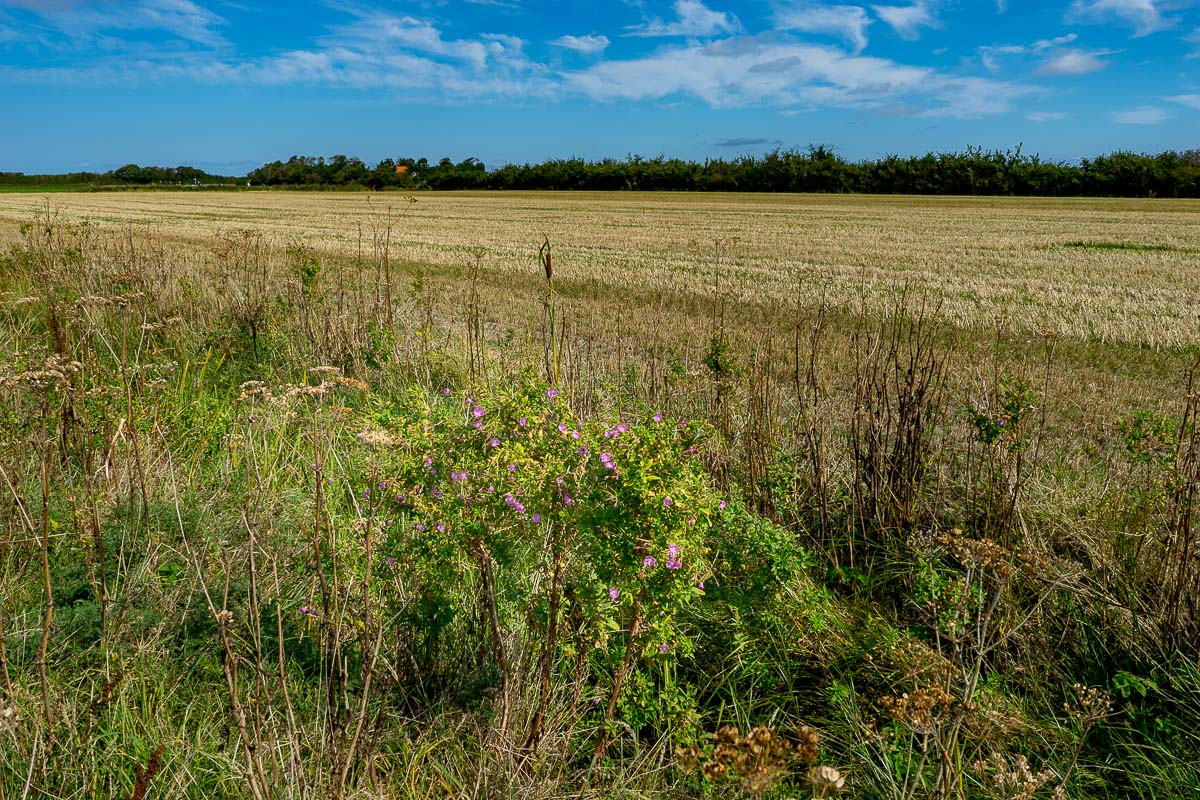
(1042, 45)
(1073, 62)
(753, 70)
(1189, 100)
(1144, 15)
(587, 45)
(89, 21)
(990, 55)
(1194, 39)
(1142, 115)
(693, 18)
(846, 22)
(377, 30)
(1046, 116)
(907, 21)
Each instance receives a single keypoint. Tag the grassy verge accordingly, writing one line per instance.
(282, 524)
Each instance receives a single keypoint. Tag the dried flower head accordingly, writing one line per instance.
(9, 718)
(809, 744)
(826, 779)
(376, 437)
(1090, 706)
(1013, 779)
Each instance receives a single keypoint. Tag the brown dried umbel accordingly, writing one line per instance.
(1091, 705)
(921, 710)
(759, 759)
(809, 746)
(1014, 779)
(984, 554)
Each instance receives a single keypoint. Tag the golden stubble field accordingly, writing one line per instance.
(1006, 263)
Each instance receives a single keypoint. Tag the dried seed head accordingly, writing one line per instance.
(9, 718)
(377, 438)
(808, 748)
(824, 778)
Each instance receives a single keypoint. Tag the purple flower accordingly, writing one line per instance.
(664, 648)
(559, 480)
(446, 390)
(673, 550)
(667, 501)
(458, 475)
(721, 505)
(428, 461)
(494, 442)
(658, 417)
(575, 434)
(562, 427)
(391, 562)
(312, 612)
(478, 412)
(552, 393)
(441, 528)
(521, 422)
(477, 425)
(537, 518)
(614, 593)
(649, 561)
(420, 526)
(583, 451)
(567, 501)
(512, 467)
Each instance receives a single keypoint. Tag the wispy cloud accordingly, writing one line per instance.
(374, 50)
(1193, 38)
(1073, 62)
(1189, 100)
(747, 141)
(1057, 58)
(1142, 115)
(90, 21)
(1046, 116)
(692, 18)
(587, 45)
(848, 23)
(1146, 16)
(908, 20)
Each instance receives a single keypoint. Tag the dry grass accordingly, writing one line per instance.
(995, 261)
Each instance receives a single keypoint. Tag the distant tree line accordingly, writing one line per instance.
(128, 175)
(818, 168)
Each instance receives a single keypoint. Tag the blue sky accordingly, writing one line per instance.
(226, 85)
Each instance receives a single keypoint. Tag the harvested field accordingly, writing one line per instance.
(1118, 271)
